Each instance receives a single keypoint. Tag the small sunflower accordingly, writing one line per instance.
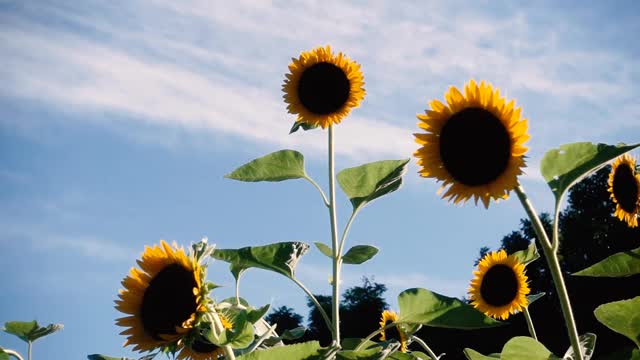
(162, 298)
(500, 285)
(474, 144)
(201, 349)
(624, 186)
(393, 333)
(322, 88)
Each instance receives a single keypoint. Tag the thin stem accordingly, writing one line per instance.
(556, 272)
(425, 347)
(334, 242)
(317, 304)
(30, 348)
(532, 329)
(13, 353)
(238, 291)
(324, 197)
(555, 243)
(373, 334)
(346, 231)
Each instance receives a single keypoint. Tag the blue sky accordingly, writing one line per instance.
(119, 120)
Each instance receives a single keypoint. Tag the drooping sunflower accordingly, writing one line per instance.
(624, 186)
(201, 349)
(162, 298)
(500, 285)
(474, 144)
(322, 88)
(393, 333)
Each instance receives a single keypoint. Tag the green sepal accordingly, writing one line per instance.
(277, 166)
(30, 331)
(421, 306)
(625, 263)
(568, 164)
(532, 298)
(324, 249)
(474, 355)
(304, 351)
(622, 317)
(527, 255)
(365, 183)
(302, 125)
(523, 347)
(359, 254)
(279, 257)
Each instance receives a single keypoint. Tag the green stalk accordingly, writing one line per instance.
(29, 353)
(532, 329)
(556, 272)
(424, 345)
(317, 304)
(13, 353)
(334, 243)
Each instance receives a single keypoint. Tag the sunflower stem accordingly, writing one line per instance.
(532, 329)
(13, 353)
(426, 347)
(373, 334)
(29, 351)
(346, 231)
(556, 273)
(334, 242)
(326, 318)
(315, 184)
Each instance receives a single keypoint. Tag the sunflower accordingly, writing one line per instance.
(474, 144)
(392, 333)
(500, 285)
(162, 298)
(322, 88)
(624, 186)
(201, 349)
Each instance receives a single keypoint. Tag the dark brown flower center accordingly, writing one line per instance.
(625, 188)
(499, 285)
(475, 147)
(392, 333)
(203, 347)
(168, 300)
(323, 88)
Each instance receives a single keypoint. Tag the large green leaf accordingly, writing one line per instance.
(279, 257)
(365, 183)
(291, 334)
(30, 331)
(527, 255)
(622, 317)
(563, 167)
(522, 347)
(587, 344)
(305, 351)
(277, 166)
(624, 263)
(474, 355)
(359, 254)
(421, 306)
(368, 354)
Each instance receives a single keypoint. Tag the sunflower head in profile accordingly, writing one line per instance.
(394, 332)
(162, 298)
(322, 87)
(624, 186)
(474, 144)
(500, 285)
(199, 348)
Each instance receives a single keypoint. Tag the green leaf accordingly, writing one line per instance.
(421, 306)
(522, 347)
(352, 343)
(368, 354)
(622, 317)
(527, 255)
(277, 166)
(532, 298)
(474, 355)
(359, 254)
(563, 167)
(367, 182)
(30, 331)
(3, 355)
(304, 351)
(624, 263)
(301, 125)
(293, 334)
(403, 356)
(587, 343)
(279, 257)
(421, 356)
(325, 249)
(254, 315)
